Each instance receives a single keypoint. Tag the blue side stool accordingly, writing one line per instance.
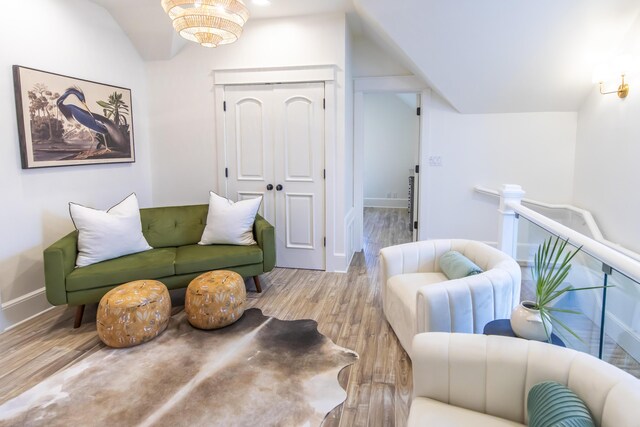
(503, 327)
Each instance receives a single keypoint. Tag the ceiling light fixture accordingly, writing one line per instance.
(208, 22)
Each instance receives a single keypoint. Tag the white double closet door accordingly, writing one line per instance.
(274, 143)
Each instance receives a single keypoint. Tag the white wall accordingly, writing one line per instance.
(349, 195)
(79, 39)
(535, 150)
(370, 60)
(182, 114)
(607, 156)
(391, 133)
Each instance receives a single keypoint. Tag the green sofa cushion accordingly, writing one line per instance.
(173, 226)
(194, 258)
(151, 264)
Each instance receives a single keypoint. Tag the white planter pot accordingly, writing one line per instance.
(527, 322)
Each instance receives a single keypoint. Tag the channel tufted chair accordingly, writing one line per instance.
(418, 297)
(479, 380)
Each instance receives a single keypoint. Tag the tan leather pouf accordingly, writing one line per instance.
(133, 313)
(215, 299)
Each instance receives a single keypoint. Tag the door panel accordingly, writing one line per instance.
(266, 201)
(250, 139)
(298, 141)
(274, 134)
(299, 136)
(300, 227)
(249, 145)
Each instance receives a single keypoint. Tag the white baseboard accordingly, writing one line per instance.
(339, 263)
(25, 307)
(386, 203)
(350, 237)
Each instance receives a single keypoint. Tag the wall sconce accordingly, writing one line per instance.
(623, 89)
(610, 71)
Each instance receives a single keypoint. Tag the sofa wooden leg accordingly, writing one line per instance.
(79, 314)
(256, 280)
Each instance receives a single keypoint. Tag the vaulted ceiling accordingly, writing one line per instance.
(483, 56)
(494, 56)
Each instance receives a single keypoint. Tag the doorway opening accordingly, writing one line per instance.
(403, 88)
(391, 146)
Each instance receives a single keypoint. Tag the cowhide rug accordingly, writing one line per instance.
(260, 371)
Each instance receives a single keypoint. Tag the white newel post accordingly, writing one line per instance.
(508, 224)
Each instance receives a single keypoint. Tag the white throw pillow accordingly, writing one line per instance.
(230, 223)
(104, 235)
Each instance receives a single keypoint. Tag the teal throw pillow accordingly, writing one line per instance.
(454, 265)
(551, 404)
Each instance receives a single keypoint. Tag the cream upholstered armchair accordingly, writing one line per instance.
(418, 297)
(479, 380)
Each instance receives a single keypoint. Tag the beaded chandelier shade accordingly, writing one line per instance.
(208, 22)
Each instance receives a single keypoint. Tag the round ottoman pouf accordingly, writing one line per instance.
(133, 313)
(215, 299)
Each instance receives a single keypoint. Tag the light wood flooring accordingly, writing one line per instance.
(347, 308)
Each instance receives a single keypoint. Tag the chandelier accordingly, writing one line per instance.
(208, 22)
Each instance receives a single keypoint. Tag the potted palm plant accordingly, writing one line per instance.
(533, 319)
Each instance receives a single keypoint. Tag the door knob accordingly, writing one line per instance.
(269, 187)
(279, 187)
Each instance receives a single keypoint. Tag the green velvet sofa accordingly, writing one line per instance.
(176, 258)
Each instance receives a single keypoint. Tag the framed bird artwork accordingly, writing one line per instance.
(66, 121)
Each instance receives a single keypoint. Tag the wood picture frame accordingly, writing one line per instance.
(67, 121)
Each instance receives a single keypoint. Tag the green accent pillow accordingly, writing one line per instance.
(551, 404)
(454, 265)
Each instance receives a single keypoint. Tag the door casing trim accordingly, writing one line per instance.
(335, 257)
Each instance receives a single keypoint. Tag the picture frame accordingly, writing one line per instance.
(67, 121)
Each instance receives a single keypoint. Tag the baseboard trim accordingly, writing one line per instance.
(340, 265)
(25, 307)
(21, 299)
(386, 203)
(15, 325)
(350, 221)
